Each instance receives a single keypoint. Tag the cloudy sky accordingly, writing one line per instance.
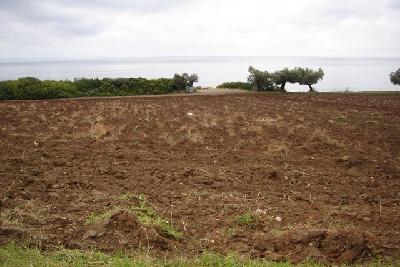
(135, 28)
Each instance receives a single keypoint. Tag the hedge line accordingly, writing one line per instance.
(235, 85)
(32, 88)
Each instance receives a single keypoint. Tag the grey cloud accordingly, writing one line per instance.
(162, 27)
(358, 9)
(395, 4)
(136, 5)
(31, 11)
(343, 10)
(36, 14)
(49, 13)
(32, 7)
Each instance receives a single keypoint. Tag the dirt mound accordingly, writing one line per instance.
(320, 245)
(282, 176)
(352, 161)
(12, 233)
(122, 231)
(125, 222)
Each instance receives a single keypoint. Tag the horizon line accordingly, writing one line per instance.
(71, 59)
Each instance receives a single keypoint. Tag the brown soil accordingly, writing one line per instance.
(319, 172)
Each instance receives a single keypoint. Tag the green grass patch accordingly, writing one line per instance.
(127, 196)
(146, 214)
(97, 217)
(17, 256)
(246, 220)
(13, 255)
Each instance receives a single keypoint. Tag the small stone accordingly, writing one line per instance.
(89, 234)
(123, 242)
(367, 219)
(343, 159)
(68, 231)
(54, 194)
(36, 172)
(278, 219)
(273, 175)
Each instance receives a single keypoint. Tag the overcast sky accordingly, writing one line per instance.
(135, 28)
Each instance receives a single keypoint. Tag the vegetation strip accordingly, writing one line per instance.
(14, 255)
(30, 88)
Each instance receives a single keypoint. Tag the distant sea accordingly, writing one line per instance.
(355, 74)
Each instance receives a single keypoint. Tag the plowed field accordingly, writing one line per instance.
(277, 176)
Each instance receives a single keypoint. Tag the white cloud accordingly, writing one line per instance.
(100, 28)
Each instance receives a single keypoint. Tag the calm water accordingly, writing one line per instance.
(340, 73)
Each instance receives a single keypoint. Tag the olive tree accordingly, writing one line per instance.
(194, 78)
(395, 77)
(184, 80)
(306, 76)
(284, 76)
(261, 80)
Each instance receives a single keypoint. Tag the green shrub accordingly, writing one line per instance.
(235, 85)
(261, 80)
(32, 88)
(395, 77)
(246, 219)
(180, 82)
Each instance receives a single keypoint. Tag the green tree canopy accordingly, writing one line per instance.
(306, 76)
(395, 77)
(261, 80)
(183, 80)
(284, 76)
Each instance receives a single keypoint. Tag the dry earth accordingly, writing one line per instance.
(277, 176)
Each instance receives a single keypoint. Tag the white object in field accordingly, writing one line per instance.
(190, 114)
(189, 89)
(278, 219)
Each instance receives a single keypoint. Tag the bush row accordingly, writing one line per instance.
(236, 85)
(32, 88)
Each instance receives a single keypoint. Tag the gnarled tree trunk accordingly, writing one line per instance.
(283, 86)
(311, 88)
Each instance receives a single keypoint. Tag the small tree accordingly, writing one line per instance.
(261, 80)
(194, 78)
(308, 77)
(284, 76)
(184, 80)
(395, 77)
